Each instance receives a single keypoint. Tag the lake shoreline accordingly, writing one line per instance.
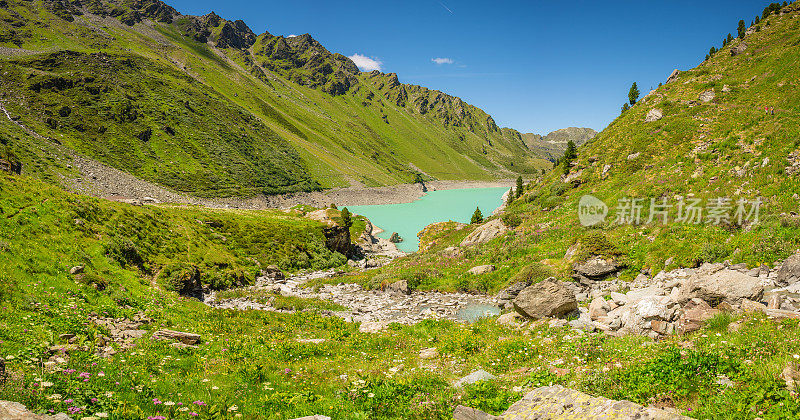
(355, 196)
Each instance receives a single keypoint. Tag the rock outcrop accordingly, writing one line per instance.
(558, 402)
(485, 233)
(15, 411)
(596, 268)
(789, 272)
(337, 239)
(654, 114)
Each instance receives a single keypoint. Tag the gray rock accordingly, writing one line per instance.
(707, 96)
(715, 285)
(654, 114)
(399, 287)
(481, 269)
(674, 76)
(181, 337)
(557, 402)
(10, 410)
(790, 271)
(485, 233)
(477, 376)
(739, 49)
(545, 299)
(509, 319)
(467, 413)
(596, 268)
(76, 270)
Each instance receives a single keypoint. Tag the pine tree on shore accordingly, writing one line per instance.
(477, 217)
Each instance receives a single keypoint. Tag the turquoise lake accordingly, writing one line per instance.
(408, 219)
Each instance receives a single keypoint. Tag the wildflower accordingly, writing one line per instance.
(169, 403)
(233, 408)
(101, 374)
(215, 388)
(46, 384)
(101, 415)
(183, 409)
(796, 356)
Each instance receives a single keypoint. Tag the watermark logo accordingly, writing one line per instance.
(591, 210)
(638, 211)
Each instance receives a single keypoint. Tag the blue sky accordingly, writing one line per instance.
(535, 66)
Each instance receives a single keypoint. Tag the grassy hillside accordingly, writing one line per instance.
(202, 105)
(726, 147)
(252, 363)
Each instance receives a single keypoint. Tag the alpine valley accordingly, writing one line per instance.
(149, 268)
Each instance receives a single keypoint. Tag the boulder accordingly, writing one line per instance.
(509, 319)
(477, 376)
(596, 268)
(654, 114)
(739, 49)
(775, 301)
(485, 233)
(481, 269)
(750, 306)
(674, 76)
(548, 298)
(76, 270)
(181, 337)
(695, 313)
(505, 296)
(15, 411)
(372, 327)
(395, 238)
(556, 401)
(598, 308)
(790, 271)
(399, 288)
(715, 285)
(467, 413)
(429, 353)
(707, 96)
(270, 275)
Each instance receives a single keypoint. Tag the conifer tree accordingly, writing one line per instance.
(633, 94)
(741, 29)
(347, 221)
(519, 186)
(477, 217)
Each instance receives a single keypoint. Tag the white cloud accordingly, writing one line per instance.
(366, 63)
(442, 60)
(291, 36)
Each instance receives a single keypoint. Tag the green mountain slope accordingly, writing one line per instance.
(205, 106)
(725, 146)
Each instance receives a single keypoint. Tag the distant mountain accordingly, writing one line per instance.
(203, 105)
(552, 146)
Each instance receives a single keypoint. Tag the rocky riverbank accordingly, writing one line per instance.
(374, 309)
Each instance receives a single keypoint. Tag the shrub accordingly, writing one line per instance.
(511, 220)
(183, 278)
(711, 252)
(595, 242)
(124, 251)
(533, 273)
(92, 279)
